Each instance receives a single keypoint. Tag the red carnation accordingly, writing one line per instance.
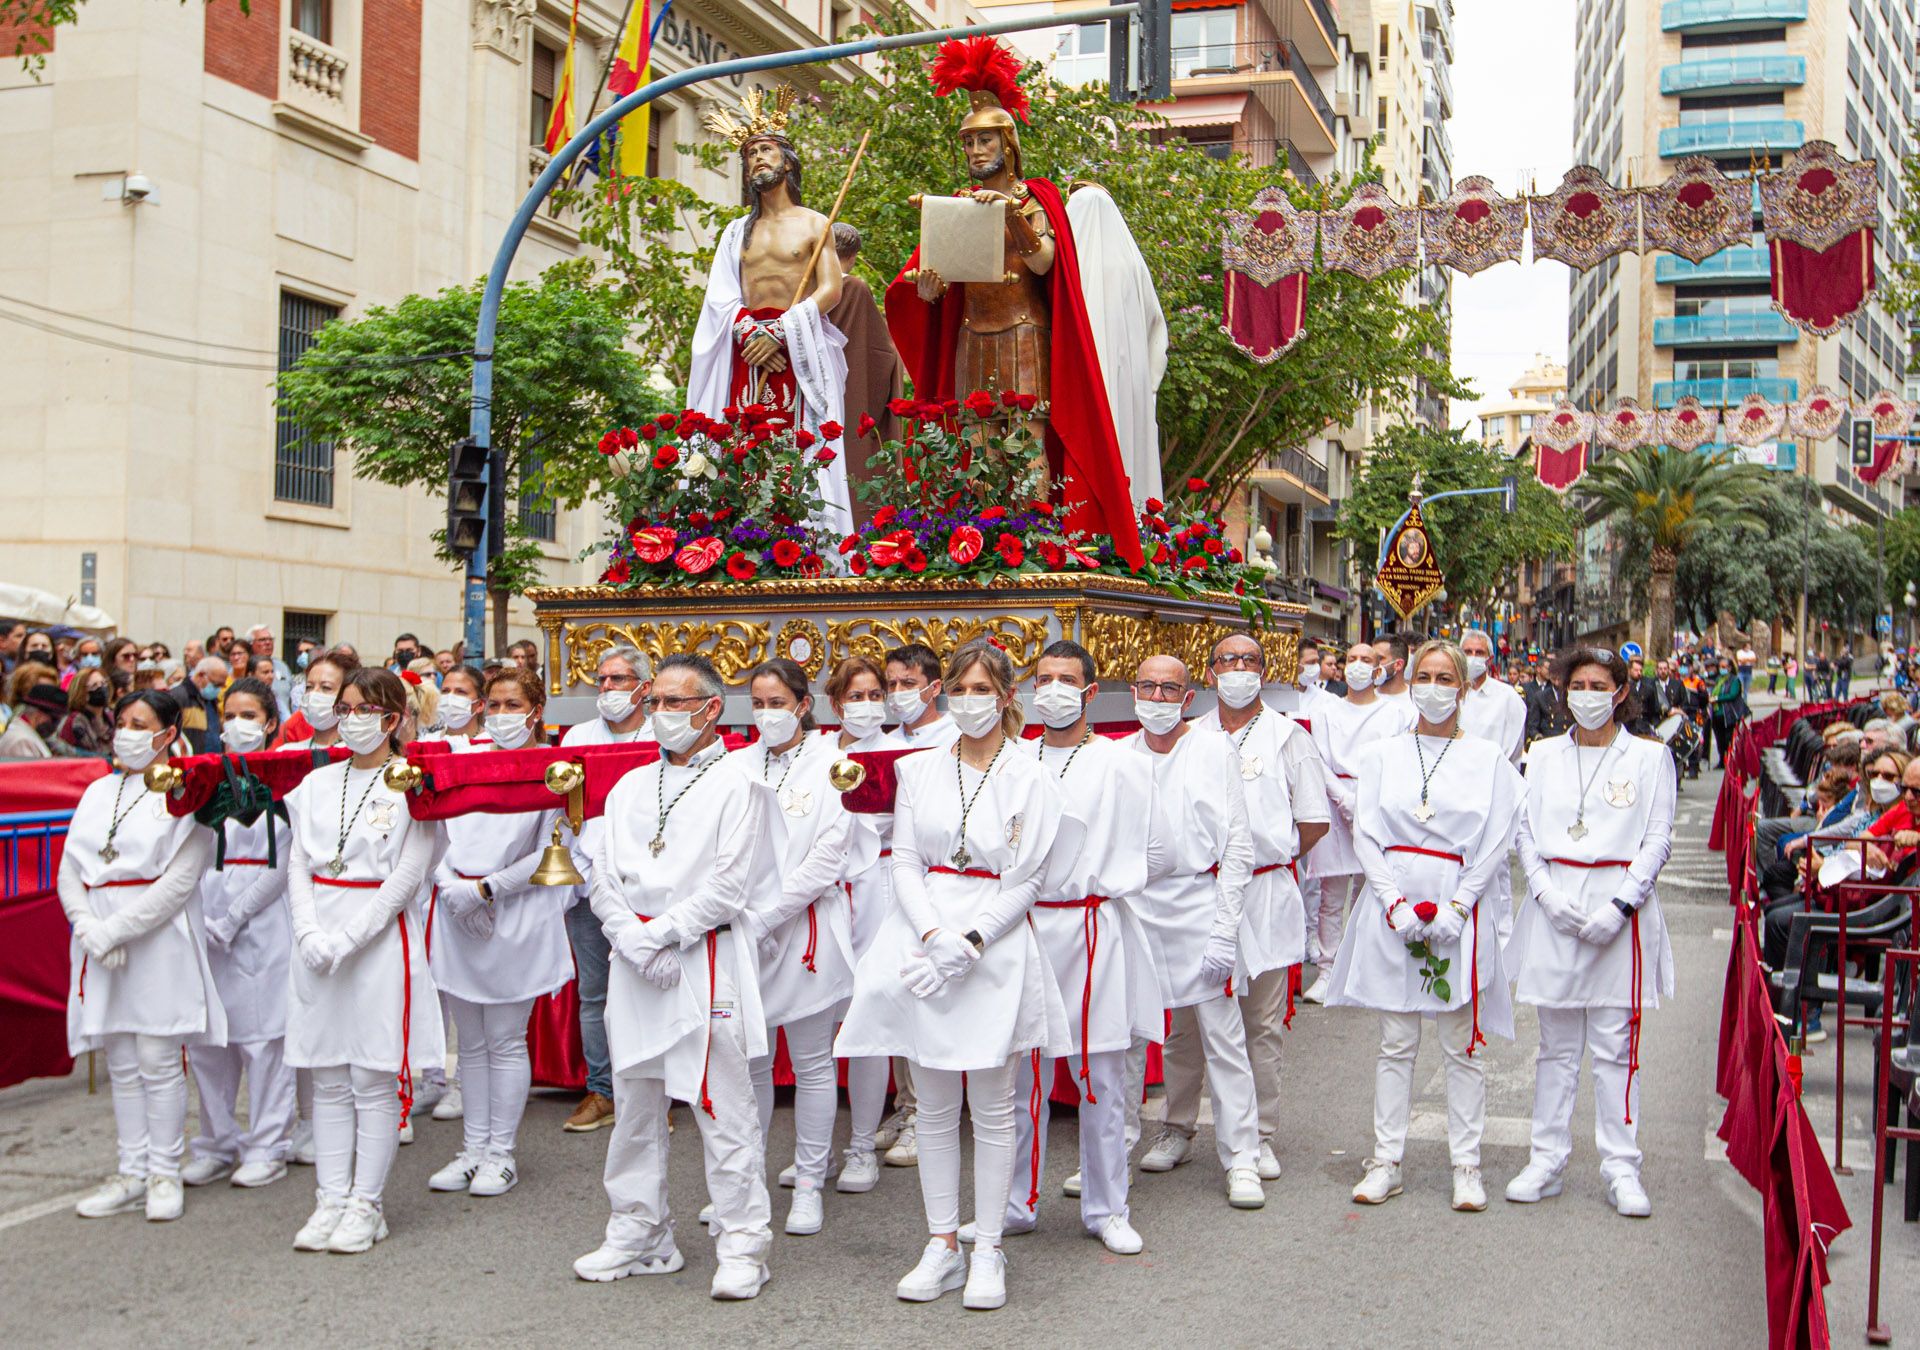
(618, 573)
(1214, 547)
(699, 556)
(849, 544)
(867, 424)
(802, 438)
(981, 402)
(991, 514)
(831, 430)
(1044, 508)
(666, 457)
(857, 564)
(1012, 551)
(1052, 555)
(884, 517)
(824, 457)
(915, 560)
(810, 565)
(964, 544)
(1197, 563)
(412, 677)
(1196, 485)
(1426, 911)
(786, 553)
(1163, 554)
(902, 407)
(740, 567)
(655, 543)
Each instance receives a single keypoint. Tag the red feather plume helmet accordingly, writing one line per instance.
(991, 76)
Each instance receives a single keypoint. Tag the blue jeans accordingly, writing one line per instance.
(592, 955)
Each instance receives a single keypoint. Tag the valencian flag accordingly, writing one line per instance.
(630, 71)
(561, 126)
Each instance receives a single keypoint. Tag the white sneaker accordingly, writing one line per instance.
(359, 1228)
(970, 1233)
(326, 1216)
(1071, 1187)
(941, 1270)
(1318, 994)
(888, 1134)
(1266, 1164)
(449, 1107)
(1629, 1198)
(1244, 1190)
(1469, 1192)
(605, 1263)
(117, 1196)
(166, 1199)
(406, 1130)
(788, 1174)
(706, 1214)
(1119, 1237)
(1379, 1185)
(495, 1177)
(986, 1280)
(302, 1150)
(739, 1277)
(457, 1175)
(906, 1148)
(859, 1173)
(1168, 1151)
(261, 1173)
(808, 1213)
(1534, 1184)
(205, 1171)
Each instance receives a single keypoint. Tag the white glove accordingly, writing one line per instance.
(317, 952)
(635, 944)
(1446, 927)
(461, 896)
(1603, 925)
(765, 940)
(476, 923)
(80, 927)
(662, 968)
(1562, 911)
(220, 931)
(1405, 923)
(920, 976)
(94, 941)
(951, 955)
(1217, 961)
(114, 959)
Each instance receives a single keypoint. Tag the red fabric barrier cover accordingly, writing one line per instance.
(505, 781)
(33, 988)
(281, 770)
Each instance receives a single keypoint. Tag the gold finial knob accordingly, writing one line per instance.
(563, 776)
(402, 776)
(847, 774)
(163, 777)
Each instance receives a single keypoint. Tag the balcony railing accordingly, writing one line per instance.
(1734, 72)
(1680, 16)
(317, 72)
(1252, 58)
(1264, 152)
(1723, 393)
(1298, 464)
(1748, 262)
(1719, 138)
(1761, 326)
(1328, 23)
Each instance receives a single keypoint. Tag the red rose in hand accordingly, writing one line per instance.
(867, 424)
(655, 543)
(699, 556)
(824, 457)
(980, 402)
(1426, 911)
(831, 430)
(1196, 485)
(786, 553)
(618, 573)
(964, 544)
(802, 438)
(915, 560)
(1012, 551)
(884, 517)
(666, 457)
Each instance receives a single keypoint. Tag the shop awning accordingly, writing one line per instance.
(1207, 110)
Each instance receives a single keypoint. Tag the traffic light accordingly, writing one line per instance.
(1140, 54)
(466, 495)
(1862, 441)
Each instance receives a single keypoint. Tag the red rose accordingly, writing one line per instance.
(1234, 555)
(739, 454)
(1163, 554)
(628, 438)
(618, 573)
(991, 514)
(782, 519)
(1196, 485)
(610, 443)
(1157, 524)
(915, 560)
(831, 430)
(699, 556)
(668, 419)
(649, 431)
(857, 564)
(1197, 563)
(1009, 399)
(730, 411)
(1052, 555)
(1239, 588)
(1044, 508)
(964, 544)
(849, 544)
(720, 431)
(824, 457)
(1214, 547)
(786, 553)
(1426, 911)
(947, 408)
(802, 438)
(1025, 402)
(698, 520)
(740, 567)
(1012, 551)
(867, 424)
(666, 457)
(884, 517)
(903, 407)
(760, 435)
(1155, 506)
(655, 543)
(722, 514)
(980, 402)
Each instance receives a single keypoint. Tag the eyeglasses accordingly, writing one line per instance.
(1240, 661)
(674, 702)
(1168, 692)
(349, 709)
(1911, 789)
(618, 681)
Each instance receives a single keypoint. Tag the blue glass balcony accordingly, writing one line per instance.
(1746, 263)
(1763, 326)
(1726, 138)
(1742, 73)
(1707, 16)
(1723, 393)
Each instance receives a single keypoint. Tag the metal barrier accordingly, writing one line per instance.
(1887, 1023)
(20, 827)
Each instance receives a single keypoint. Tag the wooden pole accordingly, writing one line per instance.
(832, 216)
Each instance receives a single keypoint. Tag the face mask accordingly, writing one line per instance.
(210, 691)
(1238, 688)
(319, 710)
(1435, 702)
(40, 654)
(905, 705)
(241, 736)
(1476, 667)
(975, 714)
(777, 725)
(509, 731)
(1358, 674)
(675, 731)
(91, 661)
(861, 720)
(1310, 677)
(1159, 718)
(455, 713)
(1883, 792)
(134, 748)
(300, 661)
(1059, 705)
(97, 697)
(1591, 708)
(615, 705)
(362, 732)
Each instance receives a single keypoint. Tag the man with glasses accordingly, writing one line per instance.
(624, 677)
(1200, 852)
(261, 638)
(1287, 812)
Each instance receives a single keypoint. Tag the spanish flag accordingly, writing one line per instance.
(562, 124)
(630, 71)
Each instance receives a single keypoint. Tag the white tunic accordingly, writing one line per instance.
(1203, 855)
(1099, 953)
(1341, 729)
(807, 911)
(1008, 1001)
(1629, 819)
(1285, 784)
(872, 880)
(586, 844)
(379, 1008)
(1475, 798)
(938, 734)
(142, 895)
(251, 971)
(717, 854)
(526, 955)
(1496, 712)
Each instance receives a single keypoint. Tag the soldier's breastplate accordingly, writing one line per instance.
(997, 308)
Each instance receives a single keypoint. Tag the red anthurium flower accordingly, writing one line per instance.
(831, 431)
(699, 556)
(1196, 485)
(981, 402)
(867, 424)
(802, 438)
(666, 457)
(654, 544)
(887, 552)
(786, 553)
(618, 573)
(1012, 551)
(992, 513)
(884, 517)
(1426, 911)
(1155, 506)
(964, 544)
(740, 567)
(824, 457)
(915, 560)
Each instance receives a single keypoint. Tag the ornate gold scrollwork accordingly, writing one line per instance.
(802, 642)
(1120, 642)
(1022, 638)
(735, 646)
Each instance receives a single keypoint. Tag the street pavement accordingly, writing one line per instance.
(1311, 1269)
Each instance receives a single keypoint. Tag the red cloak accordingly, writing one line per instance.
(1081, 441)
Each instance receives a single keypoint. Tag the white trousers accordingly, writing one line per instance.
(1103, 1139)
(149, 1103)
(1137, 1088)
(356, 1130)
(636, 1171)
(816, 1093)
(1211, 1037)
(1262, 1008)
(496, 1073)
(1566, 1034)
(990, 1100)
(1393, 1085)
(1310, 902)
(270, 1094)
(1330, 922)
(866, 1099)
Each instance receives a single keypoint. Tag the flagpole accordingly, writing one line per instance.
(613, 54)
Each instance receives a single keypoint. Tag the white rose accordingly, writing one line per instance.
(697, 465)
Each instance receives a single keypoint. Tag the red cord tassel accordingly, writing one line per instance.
(1033, 1106)
(1633, 1021)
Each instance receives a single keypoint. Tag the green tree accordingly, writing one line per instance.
(393, 389)
(1476, 542)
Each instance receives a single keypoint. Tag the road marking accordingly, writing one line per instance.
(1500, 1131)
(28, 1213)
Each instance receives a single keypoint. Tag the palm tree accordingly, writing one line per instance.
(1664, 497)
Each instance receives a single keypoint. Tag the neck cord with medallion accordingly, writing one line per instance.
(107, 851)
(766, 763)
(1078, 746)
(795, 803)
(663, 808)
(339, 862)
(960, 855)
(1250, 765)
(1424, 812)
(1578, 830)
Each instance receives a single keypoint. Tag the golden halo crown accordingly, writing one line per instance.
(760, 114)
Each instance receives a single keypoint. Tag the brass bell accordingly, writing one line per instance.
(163, 777)
(556, 865)
(846, 774)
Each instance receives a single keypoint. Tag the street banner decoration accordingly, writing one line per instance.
(1892, 417)
(1818, 213)
(1561, 438)
(1410, 576)
(1687, 425)
(1585, 220)
(1697, 212)
(1627, 427)
(1756, 421)
(1474, 228)
(1266, 253)
(1369, 236)
(1817, 414)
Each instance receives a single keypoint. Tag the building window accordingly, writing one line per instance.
(1386, 41)
(315, 19)
(546, 71)
(656, 136)
(537, 514)
(1203, 42)
(297, 626)
(302, 463)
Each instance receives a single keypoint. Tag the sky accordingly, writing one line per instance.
(1513, 123)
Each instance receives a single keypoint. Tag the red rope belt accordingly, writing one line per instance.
(1090, 935)
(405, 1077)
(963, 872)
(1476, 1039)
(1034, 1102)
(246, 862)
(80, 990)
(1634, 977)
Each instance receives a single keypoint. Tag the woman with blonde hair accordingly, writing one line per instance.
(955, 981)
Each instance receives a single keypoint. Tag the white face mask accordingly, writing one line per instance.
(456, 712)
(1059, 704)
(615, 705)
(1435, 702)
(676, 732)
(1883, 792)
(1476, 667)
(777, 725)
(362, 732)
(319, 709)
(905, 705)
(1358, 675)
(974, 714)
(1310, 677)
(242, 736)
(1238, 688)
(134, 748)
(509, 731)
(861, 720)
(1159, 718)
(1591, 708)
